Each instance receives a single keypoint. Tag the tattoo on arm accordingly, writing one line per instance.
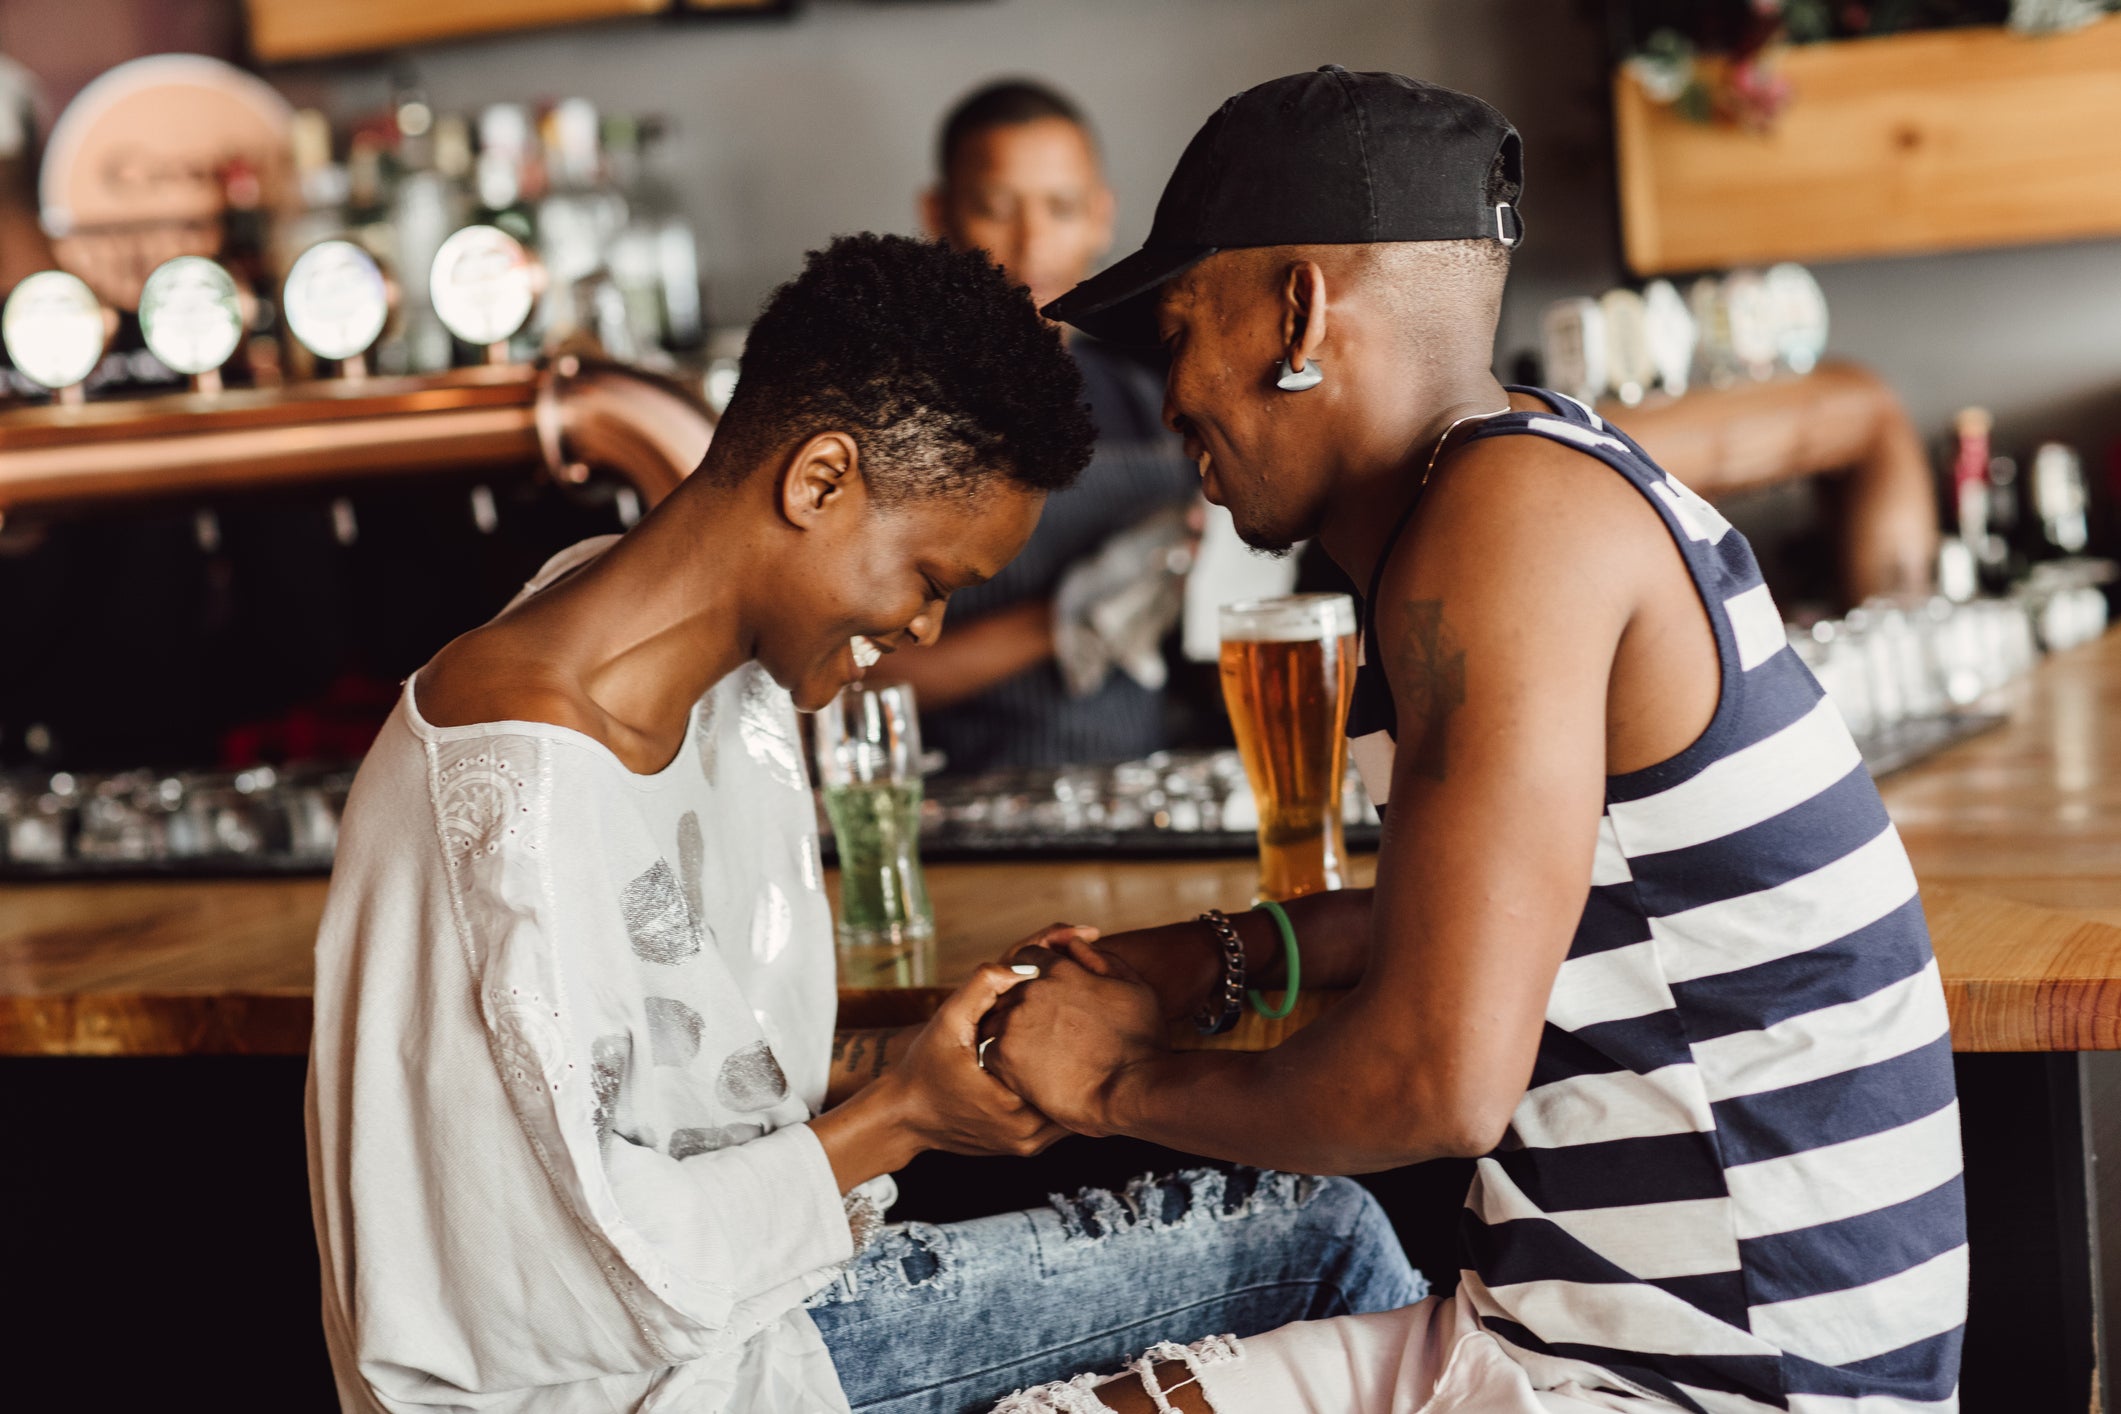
(852, 1049)
(1431, 686)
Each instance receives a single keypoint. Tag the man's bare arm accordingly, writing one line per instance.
(1500, 620)
(1183, 962)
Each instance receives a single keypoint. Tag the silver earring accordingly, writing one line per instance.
(1298, 380)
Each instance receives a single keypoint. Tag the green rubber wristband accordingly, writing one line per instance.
(1291, 959)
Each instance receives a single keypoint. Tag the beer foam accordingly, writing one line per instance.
(1293, 618)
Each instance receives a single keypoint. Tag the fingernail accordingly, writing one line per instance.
(1025, 969)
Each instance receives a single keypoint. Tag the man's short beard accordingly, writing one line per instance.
(1271, 542)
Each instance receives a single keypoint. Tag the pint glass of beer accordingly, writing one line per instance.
(1288, 671)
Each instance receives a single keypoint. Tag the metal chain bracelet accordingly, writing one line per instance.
(1220, 1011)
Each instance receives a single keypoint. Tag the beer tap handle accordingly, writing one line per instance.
(55, 331)
(336, 299)
(191, 314)
(483, 286)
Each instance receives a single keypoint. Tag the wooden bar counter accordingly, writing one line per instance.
(2015, 835)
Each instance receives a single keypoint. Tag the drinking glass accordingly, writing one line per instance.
(1288, 672)
(868, 762)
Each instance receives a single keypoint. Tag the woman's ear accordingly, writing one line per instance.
(1303, 313)
(823, 476)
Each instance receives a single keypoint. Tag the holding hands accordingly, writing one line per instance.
(1061, 1040)
(1021, 1055)
(895, 1095)
(953, 1102)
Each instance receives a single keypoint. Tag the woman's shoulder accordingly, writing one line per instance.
(482, 680)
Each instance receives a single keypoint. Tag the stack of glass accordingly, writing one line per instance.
(258, 820)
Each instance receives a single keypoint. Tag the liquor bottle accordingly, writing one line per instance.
(578, 220)
(1970, 486)
(2003, 556)
(367, 196)
(246, 255)
(2060, 499)
(507, 180)
(427, 203)
(677, 244)
(320, 185)
(319, 215)
(633, 258)
(506, 171)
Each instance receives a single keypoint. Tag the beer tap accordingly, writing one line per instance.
(191, 314)
(483, 286)
(55, 330)
(336, 300)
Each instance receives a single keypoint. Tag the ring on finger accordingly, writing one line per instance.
(979, 1054)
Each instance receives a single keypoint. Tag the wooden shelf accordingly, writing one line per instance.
(1944, 140)
(281, 30)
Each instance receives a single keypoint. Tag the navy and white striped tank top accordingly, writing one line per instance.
(1734, 1181)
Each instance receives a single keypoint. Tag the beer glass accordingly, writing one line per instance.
(1288, 672)
(868, 761)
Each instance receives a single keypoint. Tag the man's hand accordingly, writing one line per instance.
(1180, 962)
(1065, 1037)
(1048, 943)
(934, 1095)
(955, 1105)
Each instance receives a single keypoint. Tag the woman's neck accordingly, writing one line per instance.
(645, 630)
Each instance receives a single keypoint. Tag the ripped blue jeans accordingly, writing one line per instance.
(948, 1320)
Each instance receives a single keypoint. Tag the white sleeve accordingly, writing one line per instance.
(700, 1251)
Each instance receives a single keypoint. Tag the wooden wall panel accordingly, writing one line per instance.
(1933, 141)
(310, 29)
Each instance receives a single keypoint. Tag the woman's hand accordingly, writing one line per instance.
(1064, 1039)
(934, 1095)
(954, 1104)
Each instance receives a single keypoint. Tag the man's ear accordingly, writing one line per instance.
(1303, 313)
(822, 477)
(932, 213)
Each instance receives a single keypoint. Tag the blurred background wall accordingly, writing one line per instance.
(789, 129)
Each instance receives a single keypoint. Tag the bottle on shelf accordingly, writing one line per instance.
(246, 253)
(508, 179)
(1971, 455)
(427, 204)
(578, 220)
(320, 187)
(659, 248)
(507, 174)
(2059, 501)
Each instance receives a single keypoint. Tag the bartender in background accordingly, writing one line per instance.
(1058, 658)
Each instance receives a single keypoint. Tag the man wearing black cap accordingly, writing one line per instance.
(1643, 942)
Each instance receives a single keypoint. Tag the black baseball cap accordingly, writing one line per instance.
(1324, 158)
